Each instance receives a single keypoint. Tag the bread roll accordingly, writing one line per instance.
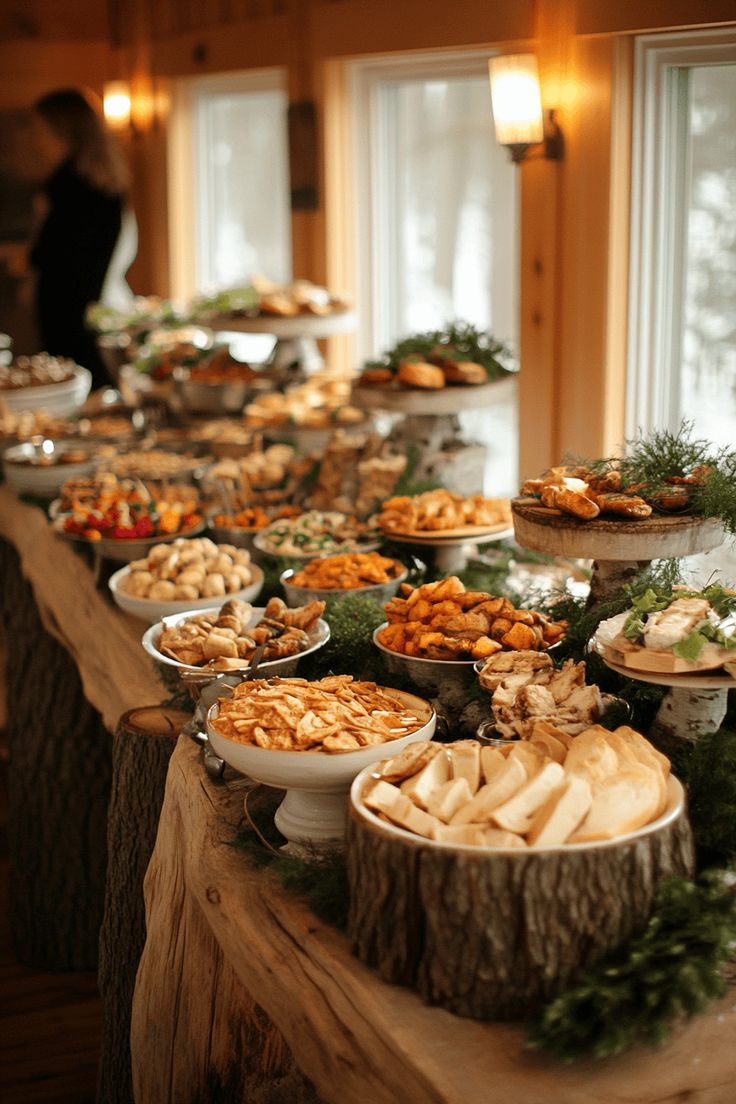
(621, 804)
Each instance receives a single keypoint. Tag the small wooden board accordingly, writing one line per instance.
(662, 536)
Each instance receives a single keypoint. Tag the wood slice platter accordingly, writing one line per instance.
(447, 400)
(659, 537)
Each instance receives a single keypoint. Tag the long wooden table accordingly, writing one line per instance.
(242, 993)
(226, 941)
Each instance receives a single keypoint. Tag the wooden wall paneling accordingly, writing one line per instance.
(223, 49)
(355, 27)
(34, 20)
(597, 17)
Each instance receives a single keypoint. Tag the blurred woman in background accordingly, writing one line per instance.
(87, 239)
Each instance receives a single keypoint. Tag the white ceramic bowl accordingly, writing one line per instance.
(124, 550)
(150, 611)
(300, 595)
(318, 637)
(45, 480)
(313, 811)
(427, 674)
(675, 802)
(59, 399)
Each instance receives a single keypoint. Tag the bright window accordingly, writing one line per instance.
(437, 222)
(683, 323)
(229, 191)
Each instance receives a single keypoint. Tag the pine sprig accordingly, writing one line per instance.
(350, 649)
(636, 995)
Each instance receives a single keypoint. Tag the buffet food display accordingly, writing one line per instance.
(457, 356)
(123, 510)
(528, 691)
(348, 571)
(40, 370)
(187, 570)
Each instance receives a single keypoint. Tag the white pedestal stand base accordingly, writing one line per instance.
(312, 820)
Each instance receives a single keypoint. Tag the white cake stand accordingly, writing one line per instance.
(296, 336)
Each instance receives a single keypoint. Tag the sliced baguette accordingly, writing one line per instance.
(549, 744)
(491, 762)
(459, 833)
(621, 804)
(639, 754)
(495, 837)
(517, 814)
(405, 813)
(562, 813)
(505, 784)
(409, 761)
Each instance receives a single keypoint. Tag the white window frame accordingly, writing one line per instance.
(370, 226)
(185, 168)
(659, 187)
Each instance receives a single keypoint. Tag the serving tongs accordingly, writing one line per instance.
(219, 687)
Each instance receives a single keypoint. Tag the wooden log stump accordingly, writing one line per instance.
(59, 782)
(493, 935)
(197, 1033)
(142, 747)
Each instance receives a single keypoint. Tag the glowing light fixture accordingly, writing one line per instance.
(517, 108)
(116, 104)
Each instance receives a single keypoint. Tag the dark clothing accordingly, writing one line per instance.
(71, 255)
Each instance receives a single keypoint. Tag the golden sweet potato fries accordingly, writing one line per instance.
(348, 571)
(442, 620)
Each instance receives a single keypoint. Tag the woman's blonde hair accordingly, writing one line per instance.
(95, 154)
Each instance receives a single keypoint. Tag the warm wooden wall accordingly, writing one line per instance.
(574, 214)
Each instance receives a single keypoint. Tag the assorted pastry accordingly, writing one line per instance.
(526, 688)
(23, 425)
(435, 511)
(226, 640)
(585, 494)
(337, 714)
(597, 786)
(442, 620)
(187, 570)
(348, 571)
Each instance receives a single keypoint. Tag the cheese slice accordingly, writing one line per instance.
(563, 812)
(517, 814)
(450, 797)
(465, 758)
(503, 785)
(405, 813)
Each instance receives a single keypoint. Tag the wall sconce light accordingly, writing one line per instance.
(116, 104)
(517, 108)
